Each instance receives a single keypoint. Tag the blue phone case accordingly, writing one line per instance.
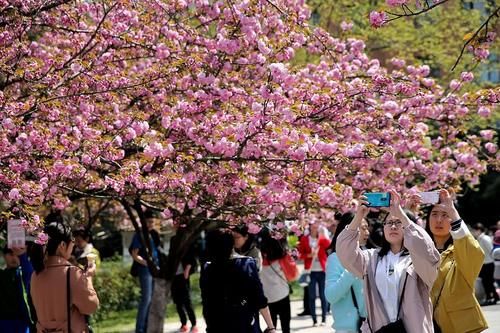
(378, 199)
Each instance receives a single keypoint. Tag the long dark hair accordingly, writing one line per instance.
(242, 229)
(272, 249)
(220, 243)
(57, 232)
(448, 242)
(344, 220)
(386, 246)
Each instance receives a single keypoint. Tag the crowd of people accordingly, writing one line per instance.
(50, 290)
(415, 273)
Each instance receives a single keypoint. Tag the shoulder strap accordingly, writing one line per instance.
(277, 273)
(444, 282)
(402, 294)
(354, 298)
(68, 298)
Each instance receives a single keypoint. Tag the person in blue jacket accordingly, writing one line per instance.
(343, 290)
(16, 315)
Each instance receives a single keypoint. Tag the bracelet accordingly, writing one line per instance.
(455, 225)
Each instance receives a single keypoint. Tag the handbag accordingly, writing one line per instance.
(134, 269)
(396, 326)
(304, 279)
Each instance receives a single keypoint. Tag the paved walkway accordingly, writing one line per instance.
(304, 324)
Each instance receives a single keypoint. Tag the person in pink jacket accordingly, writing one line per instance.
(398, 277)
(62, 293)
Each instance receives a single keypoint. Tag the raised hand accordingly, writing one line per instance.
(446, 203)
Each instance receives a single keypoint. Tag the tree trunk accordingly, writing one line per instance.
(158, 307)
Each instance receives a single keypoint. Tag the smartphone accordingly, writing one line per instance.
(429, 197)
(83, 262)
(378, 199)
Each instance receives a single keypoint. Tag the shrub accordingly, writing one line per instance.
(116, 288)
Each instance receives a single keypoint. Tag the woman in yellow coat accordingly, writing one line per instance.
(456, 308)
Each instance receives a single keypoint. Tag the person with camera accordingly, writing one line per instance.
(84, 251)
(62, 293)
(398, 277)
(456, 308)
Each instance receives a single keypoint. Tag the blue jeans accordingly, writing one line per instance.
(146, 281)
(317, 278)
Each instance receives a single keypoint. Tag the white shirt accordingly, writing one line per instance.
(316, 265)
(274, 282)
(387, 277)
(486, 244)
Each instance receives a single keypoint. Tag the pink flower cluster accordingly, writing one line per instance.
(206, 119)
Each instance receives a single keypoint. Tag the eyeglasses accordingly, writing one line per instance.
(396, 224)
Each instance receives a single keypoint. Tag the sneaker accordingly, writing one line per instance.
(184, 329)
(303, 313)
(194, 329)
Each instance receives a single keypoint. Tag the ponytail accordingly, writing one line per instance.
(37, 257)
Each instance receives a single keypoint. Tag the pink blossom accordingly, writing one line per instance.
(455, 84)
(487, 134)
(394, 3)
(41, 238)
(378, 19)
(398, 63)
(346, 26)
(491, 147)
(484, 111)
(253, 228)
(14, 194)
(467, 76)
(481, 53)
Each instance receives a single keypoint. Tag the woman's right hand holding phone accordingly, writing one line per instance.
(361, 212)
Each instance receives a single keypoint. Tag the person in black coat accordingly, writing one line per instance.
(231, 290)
(181, 290)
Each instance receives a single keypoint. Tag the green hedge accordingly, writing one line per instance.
(116, 288)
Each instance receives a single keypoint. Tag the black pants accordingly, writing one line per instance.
(307, 310)
(486, 276)
(281, 308)
(182, 299)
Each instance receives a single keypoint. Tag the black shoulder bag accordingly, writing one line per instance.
(68, 299)
(396, 326)
(360, 319)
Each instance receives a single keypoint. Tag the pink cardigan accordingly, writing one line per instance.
(421, 265)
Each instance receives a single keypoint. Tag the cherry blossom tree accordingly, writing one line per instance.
(193, 108)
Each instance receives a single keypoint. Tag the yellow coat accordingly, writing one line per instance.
(457, 309)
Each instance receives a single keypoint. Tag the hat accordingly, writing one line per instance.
(496, 238)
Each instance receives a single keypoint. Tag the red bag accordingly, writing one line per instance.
(289, 268)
